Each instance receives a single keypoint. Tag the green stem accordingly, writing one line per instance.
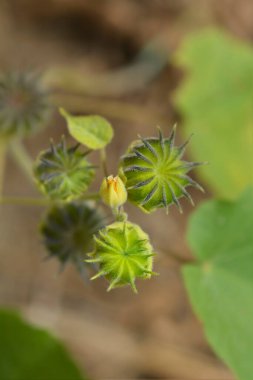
(91, 197)
(75, 102)
(176, 257)
(27, 201)
(2, 164)
(119, 214)
(22, 158)
(104, 162)
(146, 66)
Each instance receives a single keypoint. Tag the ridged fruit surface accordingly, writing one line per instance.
(63, 174)
(155, 174)
(24, 104)
(67, 231)
(123, 253)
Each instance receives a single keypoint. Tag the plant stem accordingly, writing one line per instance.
(22, 158)
(2, 164)
(180, 260)
(27, 201)
(103, 162)
(176, 257)
(75, 102)
(90, 197)
(152, 58)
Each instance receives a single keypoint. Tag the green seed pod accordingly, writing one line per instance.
(68, 230)
(123, 253)
(62, 173)
(155, 174)
(24, 105)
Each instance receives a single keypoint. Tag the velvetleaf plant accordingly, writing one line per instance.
(220, 232)
(152, 174)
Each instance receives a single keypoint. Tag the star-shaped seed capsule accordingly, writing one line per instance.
(123, 253)
(155, 174)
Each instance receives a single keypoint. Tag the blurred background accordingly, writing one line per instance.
(122, 50)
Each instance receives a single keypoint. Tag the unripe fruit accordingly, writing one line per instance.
(155, 174)
(123, 253)
(24, 104)
(68, 229)
(63, 174)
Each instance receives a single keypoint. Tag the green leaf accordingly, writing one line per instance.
(220, 284)
(93, 131)
(216, 101)
(29, 353)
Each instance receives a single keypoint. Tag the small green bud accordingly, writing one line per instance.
(68, 229)
(123, 253)
(62, 173)
(24, 104)
(155, 174)
(113, 191)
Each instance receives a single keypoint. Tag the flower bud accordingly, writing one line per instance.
(113, 191)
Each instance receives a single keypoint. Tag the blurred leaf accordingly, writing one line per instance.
(216, 101)
(29, 353)
(93, 131)
(220, 284)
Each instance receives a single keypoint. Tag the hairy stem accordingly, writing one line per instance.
(22, 158)
(75, 102)
(25, 201)
(180, 260)
(152, 58)
(104, 162)
(175, 256)
(41, 202)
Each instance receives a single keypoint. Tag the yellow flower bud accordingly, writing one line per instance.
(113, 191)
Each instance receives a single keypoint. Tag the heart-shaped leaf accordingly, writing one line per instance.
(93, 131)
(216, 102)
(220, 284)
(29, 353)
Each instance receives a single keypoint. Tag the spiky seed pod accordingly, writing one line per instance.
(62, 173)
(68, 229)
(24, 104)
(123, 253)
(155, 174)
